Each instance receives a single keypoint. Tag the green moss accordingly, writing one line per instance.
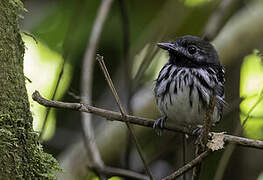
(21, 155)
(16, 4)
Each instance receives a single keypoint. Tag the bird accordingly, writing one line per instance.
(187, 82)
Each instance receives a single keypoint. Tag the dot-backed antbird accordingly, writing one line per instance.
(187, 82)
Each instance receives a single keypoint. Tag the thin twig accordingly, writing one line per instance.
(86, 86)
(146, 122)
(188, 166)
(124, 115)
(207, 121)
(110, 83)
(260, 98)
(204, 134)
(53, 97)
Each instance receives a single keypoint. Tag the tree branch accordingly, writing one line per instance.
(146, 122)
(188, 166)
(86, 86)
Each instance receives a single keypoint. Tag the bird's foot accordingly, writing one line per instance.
(197, 132)
(159, 125)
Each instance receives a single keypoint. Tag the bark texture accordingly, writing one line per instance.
(21, 155)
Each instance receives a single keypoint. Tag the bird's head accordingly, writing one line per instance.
(191, 51)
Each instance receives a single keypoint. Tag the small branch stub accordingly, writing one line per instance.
(217, 141)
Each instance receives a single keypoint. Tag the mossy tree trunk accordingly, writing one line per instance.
(21, 155)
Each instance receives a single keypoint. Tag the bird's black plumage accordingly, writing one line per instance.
(188, 80)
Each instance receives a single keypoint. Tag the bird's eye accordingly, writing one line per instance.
(192, 49)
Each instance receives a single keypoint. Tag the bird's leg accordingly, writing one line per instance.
(159, 124)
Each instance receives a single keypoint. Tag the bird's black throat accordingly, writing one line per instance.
(181, 60)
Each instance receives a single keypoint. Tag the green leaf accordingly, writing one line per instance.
(251, 88)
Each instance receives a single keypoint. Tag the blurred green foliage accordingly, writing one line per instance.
(92, 176)
(195, 2)
(115, 178)
(42, 66)
(251, 85)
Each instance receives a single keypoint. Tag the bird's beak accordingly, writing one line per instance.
(167, 46)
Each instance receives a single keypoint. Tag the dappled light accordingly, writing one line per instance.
(251, 89)
(41, 67)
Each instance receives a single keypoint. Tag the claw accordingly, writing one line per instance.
(159, 125)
